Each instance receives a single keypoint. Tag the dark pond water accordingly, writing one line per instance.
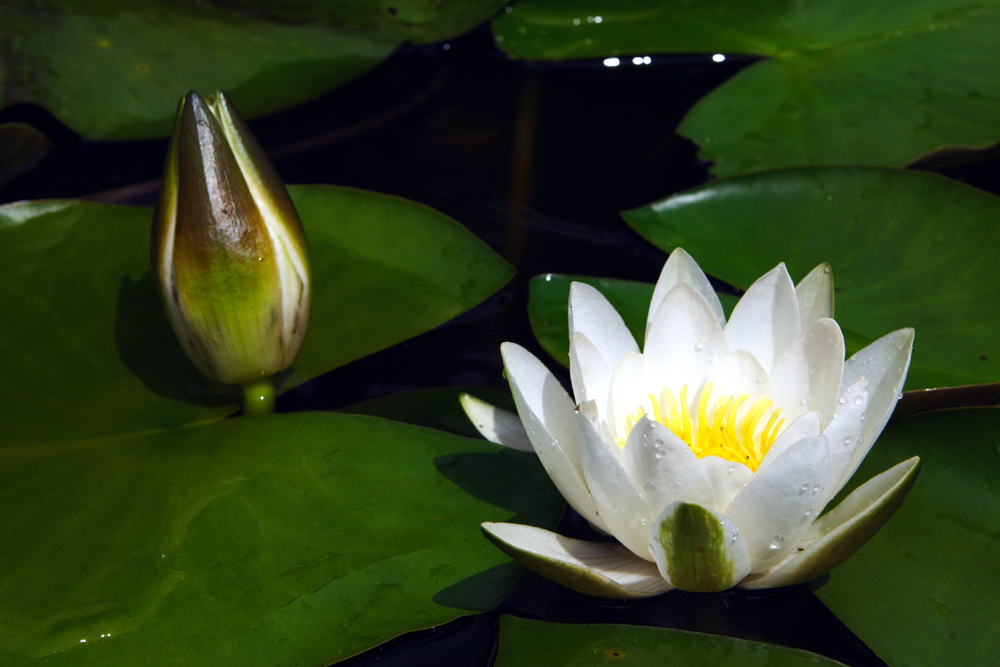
(537, 161)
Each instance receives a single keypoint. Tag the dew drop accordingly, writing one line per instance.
(659, 453)
(861, 441)
(858, 400)
(900, 397)
(700, 344)
(805, 400)
(731, 469)
(650, 487)
(658, 442)
(776, 542)
(808, 513)
(805, 487)
(816, 489)
(834, 415)
(863, 415)
(843, 401)
(848, 440)
(760, 378)
(812, 371)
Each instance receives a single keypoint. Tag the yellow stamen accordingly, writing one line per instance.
(719, 430)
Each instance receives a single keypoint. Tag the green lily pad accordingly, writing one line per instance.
(433, 407)
(87, 348)
(923, 592)
(528, 643)
(836, 86)
(908, 249)
(144, 56)
(294, 539)
(20, 147)
(548, 305)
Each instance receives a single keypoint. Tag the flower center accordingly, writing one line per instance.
(718, 431)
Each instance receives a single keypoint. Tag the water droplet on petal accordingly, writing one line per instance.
(808, 513)
(858, 400)
(658, 442)
(731, 469)
(650, 487)
(843, 401)
(816, 489)
(659, 453)
(760, 378)
(776, 542)
(805, 487)
(805, 400)
(700, 344)
(848, 440)
(863, 415)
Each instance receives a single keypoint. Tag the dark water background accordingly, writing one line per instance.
(536, 160)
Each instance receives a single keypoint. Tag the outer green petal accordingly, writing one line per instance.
(495, 424)
(603, 569)
(697, 549)
(836, 535)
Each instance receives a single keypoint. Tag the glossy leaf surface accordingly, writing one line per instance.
(260, 541)
(525, 643)
(92, 342)
(923, 591)
(908, 249)
(144, 56)
(836, 86)
(138, 523)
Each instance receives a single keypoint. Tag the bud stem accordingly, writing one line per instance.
(258, 396)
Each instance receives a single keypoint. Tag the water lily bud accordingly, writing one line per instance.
(228, 248)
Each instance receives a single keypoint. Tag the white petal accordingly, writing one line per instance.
(496, 425)
(838, 534)
(592, 315)
(589, 373)
(548, 415)
(739, 373)
(815, 295)
(727, 479)
(697, 549)
(635, 378)
(806, 426)
(603, 569)
(808, 373)
(682, 269)
(884, 364)
(844, 433)
(766, 319)
(781, 502)
(663, 467)
(622, 509)
(684, 339)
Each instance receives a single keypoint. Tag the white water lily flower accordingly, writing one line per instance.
(711, 454)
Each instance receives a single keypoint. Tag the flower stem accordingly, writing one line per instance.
(258, 396)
